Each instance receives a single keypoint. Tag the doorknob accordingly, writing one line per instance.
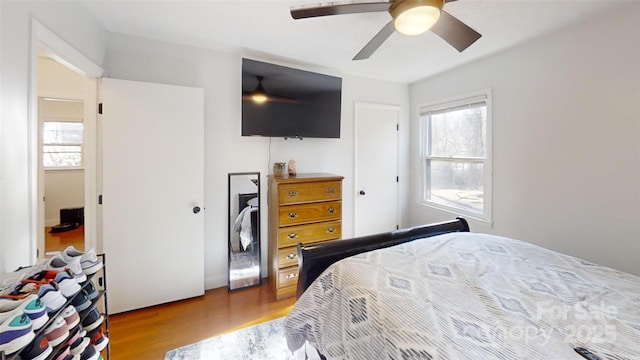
(362, 192)
(196, 209)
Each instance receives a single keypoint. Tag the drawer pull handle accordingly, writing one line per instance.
(290, 276)
(292, 236)
(291, 256)
(331, 210)
(293, 193)
(331, 190)
(293, 215)
(331, 230)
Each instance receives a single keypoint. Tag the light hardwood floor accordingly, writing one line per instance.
(60, 241)
(149, 333)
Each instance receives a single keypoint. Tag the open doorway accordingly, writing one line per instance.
(61, 140)
(47, 46)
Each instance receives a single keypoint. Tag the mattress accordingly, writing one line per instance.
(467, 296)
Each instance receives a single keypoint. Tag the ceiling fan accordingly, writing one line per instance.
(409, 17)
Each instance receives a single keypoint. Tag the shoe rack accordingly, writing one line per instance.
(101, 286)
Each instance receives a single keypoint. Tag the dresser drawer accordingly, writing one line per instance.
(310, 233)
(287, 256)
(306, 213)
(308, 192)
(288, 277)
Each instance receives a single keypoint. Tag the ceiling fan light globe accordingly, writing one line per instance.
(416, 20)
(259, 98)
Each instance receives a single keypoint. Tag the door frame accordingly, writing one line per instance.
(357, 106)
(44, 40)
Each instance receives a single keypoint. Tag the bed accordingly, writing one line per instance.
(441, 292)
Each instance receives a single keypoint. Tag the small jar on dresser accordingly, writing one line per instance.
(303, 208)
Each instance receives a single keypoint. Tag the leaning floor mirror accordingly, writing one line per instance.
(244, 230)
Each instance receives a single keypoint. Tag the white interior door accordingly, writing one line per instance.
(153, 182)
(376, 178)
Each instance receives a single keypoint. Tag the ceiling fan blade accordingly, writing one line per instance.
(375, 43)
(339, 9)
(455, 32)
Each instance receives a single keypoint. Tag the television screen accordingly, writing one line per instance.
(278, 101)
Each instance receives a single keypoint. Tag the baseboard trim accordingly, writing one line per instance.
(214, 282)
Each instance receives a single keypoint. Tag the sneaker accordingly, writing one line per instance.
(15, 331)
(93, 319)
(66, 282)
(38, 349)
(11, 278)
(81, 302)
(59, 264)
(78, 342)
(89, 353)
(91, 291)
(57, 332)
(88, 260)
(81, 330)
(98, 339)
(30, 305)
(49, 293)
(70, 316)
(79, 346)
(64, 354)
(74, 334)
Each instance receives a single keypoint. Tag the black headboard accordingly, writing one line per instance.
(313, 259)
(243, 199)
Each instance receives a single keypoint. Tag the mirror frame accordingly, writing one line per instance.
(229, 229)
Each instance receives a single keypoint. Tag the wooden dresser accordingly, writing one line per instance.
(305, 208)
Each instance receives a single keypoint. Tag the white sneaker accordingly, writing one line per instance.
(29, 304)
(49, 293)
(59, 264)
(88, 260)
(70, 316)
(57, 332)
(67, 284)
(16, 331)
(78, 346)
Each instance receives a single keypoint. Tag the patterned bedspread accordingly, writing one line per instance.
(468, 296)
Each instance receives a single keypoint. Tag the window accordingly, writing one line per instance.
(62, 144)
(456, 153)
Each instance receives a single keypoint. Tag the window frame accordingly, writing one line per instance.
(82, 152)
(423, 180)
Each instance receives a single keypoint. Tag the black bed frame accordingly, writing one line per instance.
(313, 259)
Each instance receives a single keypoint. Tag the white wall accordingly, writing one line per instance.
(63, 189)
(57, 81)
(566, 138)
(73, 23)
(226, 151)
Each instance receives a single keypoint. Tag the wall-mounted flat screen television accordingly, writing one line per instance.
(279, 101)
